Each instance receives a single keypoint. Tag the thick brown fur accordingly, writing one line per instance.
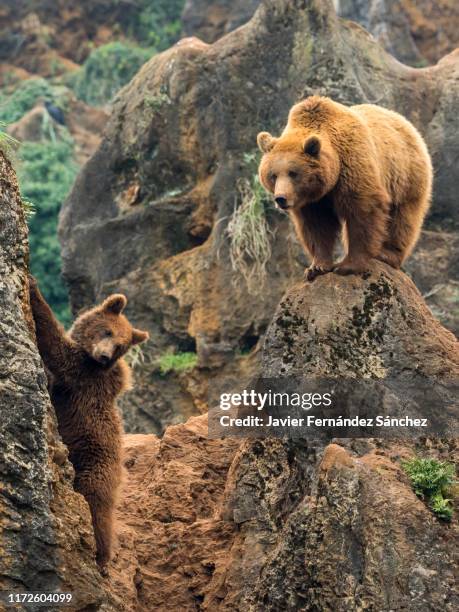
(362, 170)
(87, 374)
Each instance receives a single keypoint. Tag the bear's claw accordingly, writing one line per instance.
(316, 270)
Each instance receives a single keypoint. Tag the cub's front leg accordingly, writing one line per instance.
(55, 348)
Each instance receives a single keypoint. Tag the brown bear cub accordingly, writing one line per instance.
(362, 170)
(87, 373)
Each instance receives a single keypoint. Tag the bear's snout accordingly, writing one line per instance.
(281, 202)
(103, 352)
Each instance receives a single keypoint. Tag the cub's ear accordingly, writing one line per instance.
(139, 336)
(312, 146)
(265, 142)
(115, 303)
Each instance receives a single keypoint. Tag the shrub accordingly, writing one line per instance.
(106, 70)
(177, 362)
(17, 103)
(46, 172)
(432, 480)
(248, 230)
(158, 23)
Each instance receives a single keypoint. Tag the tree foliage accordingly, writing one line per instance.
(106, 70)
(46, 173)
(15, 104)
(157, 24)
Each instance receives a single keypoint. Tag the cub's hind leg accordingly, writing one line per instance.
(100, 487)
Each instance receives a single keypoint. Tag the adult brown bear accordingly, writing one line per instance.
(361, 169)
(87, 374)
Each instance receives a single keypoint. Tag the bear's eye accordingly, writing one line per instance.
(108, 333)
(292, 174)
(272, 177)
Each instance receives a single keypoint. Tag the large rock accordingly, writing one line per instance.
(416, 32)
(149, 212)
(296, 524)
(209, 20)
(47, 541)
(434, 268)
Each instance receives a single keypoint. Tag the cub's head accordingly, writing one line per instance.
(105, 333)
(297, 168)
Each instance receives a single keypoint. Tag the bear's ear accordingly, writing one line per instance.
(265, 142)
(312, 146)
(139, 336)
(115, 304)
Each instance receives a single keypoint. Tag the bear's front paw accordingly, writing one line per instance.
(315, 270)
(351, 266)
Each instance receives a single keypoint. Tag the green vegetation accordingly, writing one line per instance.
(106, 70)
(157, 25)
(15, 104)
(432, 480)
(46, 173)
(248, 230)
(8, 144)
(177, 362)
(156, 103)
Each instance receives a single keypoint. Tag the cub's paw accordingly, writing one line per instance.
(349, 266)
(32, 282)
(103, 571)
(315, 270)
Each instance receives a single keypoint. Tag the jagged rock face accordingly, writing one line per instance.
(371, 328)
(47, 542)
(434, 268)
(209, 20)
(297, 525)
(168, 518)
(49, 35)
(416, 32)
(148, 213)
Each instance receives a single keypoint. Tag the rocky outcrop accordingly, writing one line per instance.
(52, 37)
(170, 536)
(47, 542)
(297, 524)
(434, 268)
(417, 32)
(149, 213)
(209, 20)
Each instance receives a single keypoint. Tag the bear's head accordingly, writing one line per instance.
(298, 167)
(104, 333)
